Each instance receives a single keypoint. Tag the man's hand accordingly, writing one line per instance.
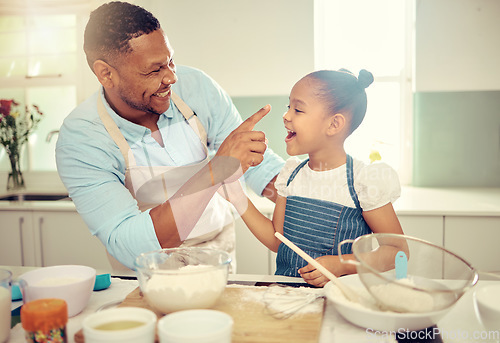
(244, 144)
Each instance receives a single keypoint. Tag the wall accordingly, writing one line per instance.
(251, 48)
(457, 93)
(256, 50)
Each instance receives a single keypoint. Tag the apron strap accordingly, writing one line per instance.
(117, 136)
(115, 133)
(296, 170)
(190, 117)
(350, 182)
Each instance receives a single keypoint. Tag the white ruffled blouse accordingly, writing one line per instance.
(376, 184)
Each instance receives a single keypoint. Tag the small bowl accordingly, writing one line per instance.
(182, 278)
(193, 326)
(487, 306)
(72, 283)
(123, 324)
(368, 316)
(436, 277)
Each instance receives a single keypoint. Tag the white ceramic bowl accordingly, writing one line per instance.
(104, 326)
(487, 305)
(72, 283)
(195, 326)
(370, 317)
(183, 278)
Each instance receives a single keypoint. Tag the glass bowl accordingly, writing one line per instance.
(435, 278)
(182, 278)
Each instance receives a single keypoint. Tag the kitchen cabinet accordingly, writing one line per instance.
(17, 244)
(252, 257)
(429, 228)
(46, 238)
(63, 238)
(475, 239)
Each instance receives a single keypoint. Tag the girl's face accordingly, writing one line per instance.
(306, 120)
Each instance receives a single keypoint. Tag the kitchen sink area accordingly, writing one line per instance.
(35, 197)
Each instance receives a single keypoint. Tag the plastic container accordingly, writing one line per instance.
(5, 303)
(195, 326)
(44, 320)
(122, 324)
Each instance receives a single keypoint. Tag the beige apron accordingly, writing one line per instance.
(153, 185)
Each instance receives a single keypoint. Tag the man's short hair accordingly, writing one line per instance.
(111, 27)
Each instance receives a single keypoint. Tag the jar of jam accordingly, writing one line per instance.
(44, 321)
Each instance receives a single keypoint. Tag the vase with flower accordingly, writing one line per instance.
(15, 129)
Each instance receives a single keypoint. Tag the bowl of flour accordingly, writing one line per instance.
(182, 278)
(368, 314)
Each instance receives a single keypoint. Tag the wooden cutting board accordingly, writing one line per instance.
(253, 321)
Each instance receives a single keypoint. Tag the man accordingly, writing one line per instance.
(135, 156)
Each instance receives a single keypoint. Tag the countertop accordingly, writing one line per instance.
(432, 201)
(459, 325)
(413, 201)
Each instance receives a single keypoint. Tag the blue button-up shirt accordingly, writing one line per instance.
(93, 169)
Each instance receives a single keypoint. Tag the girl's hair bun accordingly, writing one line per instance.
(365, 78)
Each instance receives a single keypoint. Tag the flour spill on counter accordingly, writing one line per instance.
(283, 302)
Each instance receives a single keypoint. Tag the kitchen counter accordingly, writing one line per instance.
(432, 201)
(413, 201)
(459, 325)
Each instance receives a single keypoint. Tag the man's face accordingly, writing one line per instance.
(146, 74)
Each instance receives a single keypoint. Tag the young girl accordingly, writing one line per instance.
(329, 197)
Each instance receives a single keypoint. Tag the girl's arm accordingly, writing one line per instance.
(383, 220)
(262, 227)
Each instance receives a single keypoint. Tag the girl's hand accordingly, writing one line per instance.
(314, 277)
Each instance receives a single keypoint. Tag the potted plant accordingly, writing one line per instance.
(15, 129)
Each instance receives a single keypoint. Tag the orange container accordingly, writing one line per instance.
(44, 320)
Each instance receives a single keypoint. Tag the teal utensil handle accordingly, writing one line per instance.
(401, 264)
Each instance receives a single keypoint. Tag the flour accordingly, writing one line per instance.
(366, 300)
(403, 299)
(391, 297)
(192, 287)
(57, 281)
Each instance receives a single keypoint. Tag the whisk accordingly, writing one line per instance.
(283, 302)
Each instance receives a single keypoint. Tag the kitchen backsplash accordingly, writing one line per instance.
(457, 139)
(456, 136)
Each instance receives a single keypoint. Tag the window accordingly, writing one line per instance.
(38, 65)
(376, 36)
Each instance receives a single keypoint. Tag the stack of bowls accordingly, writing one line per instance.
(436, 279)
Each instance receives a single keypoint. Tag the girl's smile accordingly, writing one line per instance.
(291, 135)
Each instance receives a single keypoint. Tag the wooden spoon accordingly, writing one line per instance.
(348, 292)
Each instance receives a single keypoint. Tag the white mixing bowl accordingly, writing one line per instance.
(367, 315)
(72, 283)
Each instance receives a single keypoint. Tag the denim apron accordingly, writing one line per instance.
(317, 226)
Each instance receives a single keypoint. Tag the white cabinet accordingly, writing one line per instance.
(252, 257)
(47, 238)
(16, 244)
(429, 228)
(476, 239)
(65, 239)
